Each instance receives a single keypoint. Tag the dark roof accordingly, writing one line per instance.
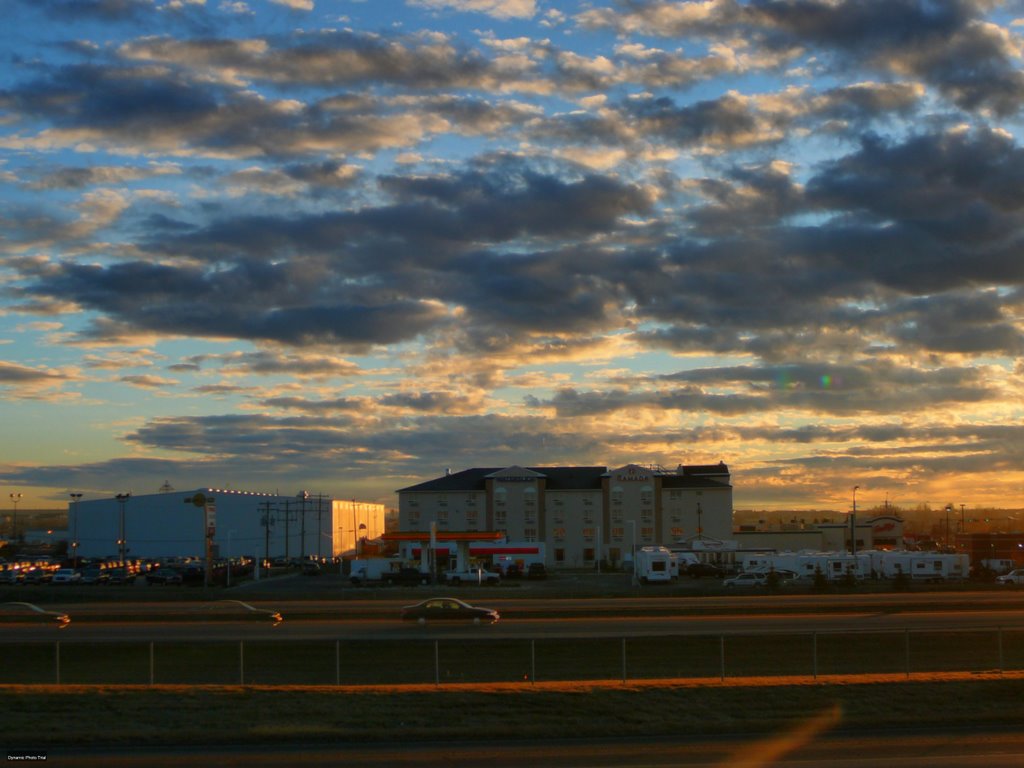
(689, 481)
(704, 469)
(558, 479)
(573, 478)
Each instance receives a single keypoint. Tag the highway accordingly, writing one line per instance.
(524, 618)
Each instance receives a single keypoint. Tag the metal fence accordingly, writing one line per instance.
(439, 662)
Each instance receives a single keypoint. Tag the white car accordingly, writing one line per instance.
(66, 576)
(1013, 577)
(748, 579)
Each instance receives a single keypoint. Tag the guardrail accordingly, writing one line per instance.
(487, 660)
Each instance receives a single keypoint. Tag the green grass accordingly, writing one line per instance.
(210, 715)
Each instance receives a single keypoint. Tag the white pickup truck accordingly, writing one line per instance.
(472, 576)
(1013, 577)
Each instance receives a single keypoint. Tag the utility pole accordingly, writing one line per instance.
(266, 520)
(302, 496)
(287, 520)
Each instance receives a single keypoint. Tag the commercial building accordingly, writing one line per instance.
(175, 523)
(581, 514)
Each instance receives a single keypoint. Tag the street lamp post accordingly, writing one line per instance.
(632, 548)
(853, 523)
(122, 499)
(949, 508)
(15, 498)
(75, 498)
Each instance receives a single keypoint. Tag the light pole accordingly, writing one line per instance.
(122, 499)
(75, 498)
(949, 508)
(853, 523)
(302, 497)
(632, 549)
(15, 498)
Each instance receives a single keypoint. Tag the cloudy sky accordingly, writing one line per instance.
(342, 245)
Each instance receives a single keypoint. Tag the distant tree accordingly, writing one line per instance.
(900, 582)
(820, 581)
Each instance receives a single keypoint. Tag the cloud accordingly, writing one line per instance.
(499, 9)
(945, 43)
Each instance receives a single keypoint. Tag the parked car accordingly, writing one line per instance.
(35, 575)
(1013, 577)
(311, 568)
(448, 609)
(120, 576)
(748, 579)
(163, 576)
(699, 570)
(95, 575)
(536, 571)
(66, 576)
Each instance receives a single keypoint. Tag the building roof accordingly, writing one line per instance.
(572, 478)
(475, 479)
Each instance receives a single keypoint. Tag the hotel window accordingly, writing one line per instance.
(471, 500)
(588, 554)
(677, 534)
(529, 534)
(558, 534)
(588, 534)
(647, 534)
(617, 516)
(499, 518)
(471, 519)
(616, 496)
(618, 534)
(646, 495)
(414, 518)
(442, 517)
(559, 556)
(676, 517)
(675, 495)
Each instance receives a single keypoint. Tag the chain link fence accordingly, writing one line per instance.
(477, 660)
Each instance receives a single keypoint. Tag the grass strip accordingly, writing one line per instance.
(107, 715)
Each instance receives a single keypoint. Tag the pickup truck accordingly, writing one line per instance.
(473, 576)
(1013, 577)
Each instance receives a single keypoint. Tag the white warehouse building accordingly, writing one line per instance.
(174, 523)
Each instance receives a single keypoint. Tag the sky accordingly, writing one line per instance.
(342, 246)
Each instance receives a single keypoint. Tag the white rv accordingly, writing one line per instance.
(654, 564)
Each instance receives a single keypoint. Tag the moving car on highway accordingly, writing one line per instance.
(448, 609)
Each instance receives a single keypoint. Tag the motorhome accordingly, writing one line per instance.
(654, 564)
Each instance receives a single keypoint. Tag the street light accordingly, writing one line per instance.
(75, 498)
(632, 526)
(853, 523)
(15, 498)
(122, 499)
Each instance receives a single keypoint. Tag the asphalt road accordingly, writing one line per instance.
(805, 747)
(522, 618)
